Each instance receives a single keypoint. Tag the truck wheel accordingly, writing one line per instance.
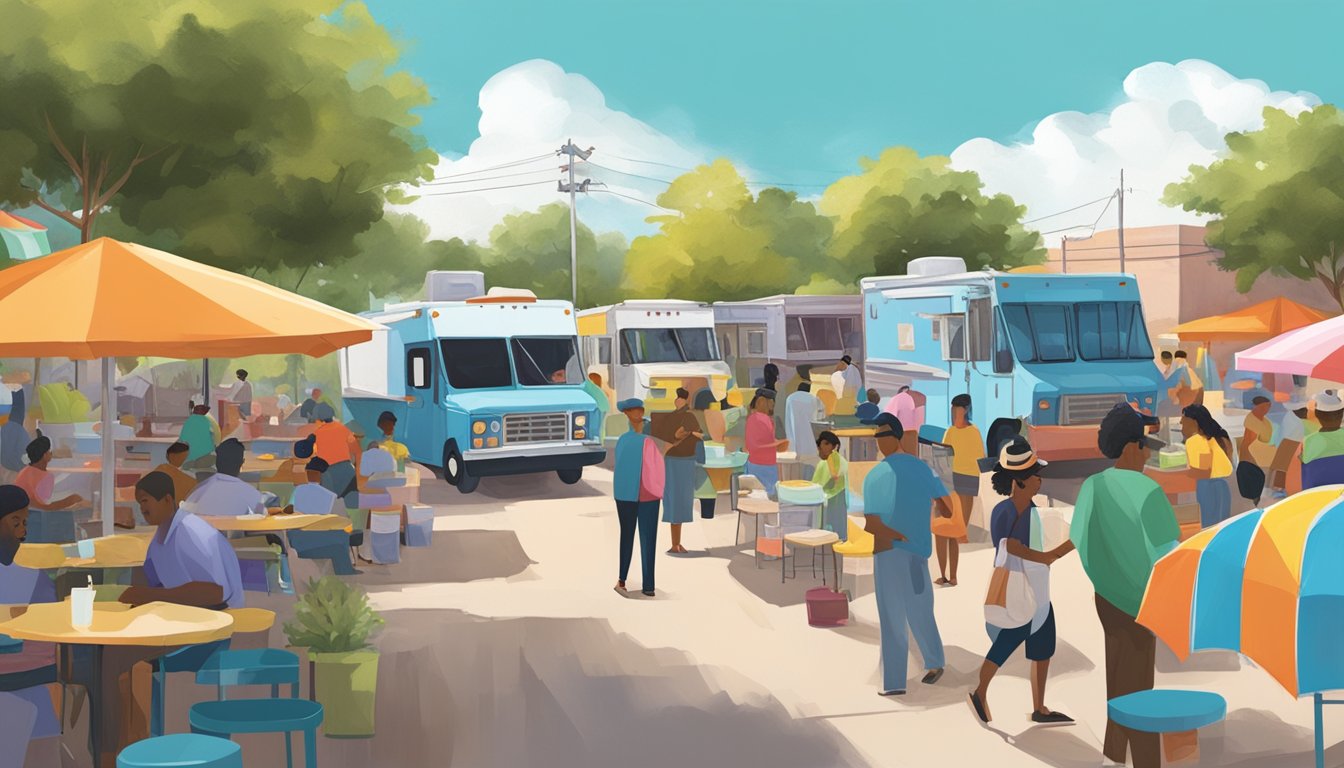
(570, 476)
(455, 470)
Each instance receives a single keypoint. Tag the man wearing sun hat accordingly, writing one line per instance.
(1122, 525)
(1292, 431)
(1329, 440)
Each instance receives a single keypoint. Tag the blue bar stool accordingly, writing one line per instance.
(1167, 710)
(226, 718)
(253, 666)
(182, 750)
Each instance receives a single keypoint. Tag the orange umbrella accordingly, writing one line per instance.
(1258, 321)
(111, 299)
(108, 299)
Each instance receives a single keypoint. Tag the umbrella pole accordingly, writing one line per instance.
(106, 478)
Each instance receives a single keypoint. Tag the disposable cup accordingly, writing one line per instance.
(81, 607)
(85, 548)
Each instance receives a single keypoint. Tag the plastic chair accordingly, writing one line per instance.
(253, 666)
(285, 716)
(181, 750)
(188, 659)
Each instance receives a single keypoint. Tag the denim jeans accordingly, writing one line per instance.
(905, 604)
(641, 515)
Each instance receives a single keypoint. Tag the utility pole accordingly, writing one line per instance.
(1064, 254)
(1121, 230)
(572, 151)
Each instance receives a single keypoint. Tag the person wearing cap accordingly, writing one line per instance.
(1329, 439)
(762, 447)
(37, 482)
(337, 445)
(1017, 475)
(846, 381)
(898, 497)
(1122, 524)
(637, 484)
(1255, 443)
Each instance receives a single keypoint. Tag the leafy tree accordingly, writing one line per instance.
(725, 244)
(531, 250)
(903, 207)
(248, 134)
(1277, 197)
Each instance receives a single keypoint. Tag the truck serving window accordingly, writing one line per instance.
(476, 363)
(1041, 333)
(1112, 330)
(544, 361)
(667, 345)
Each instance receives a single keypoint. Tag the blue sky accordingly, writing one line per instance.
(803, 88)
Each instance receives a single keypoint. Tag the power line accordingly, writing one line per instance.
(524, 161)
(745, 181)
(1070, 210)
(684, 168)
(1128, 246)
(636, 199)
(1065, 229)
(485, 189)
(1169, 257)
(1104, 209)
(483, 178)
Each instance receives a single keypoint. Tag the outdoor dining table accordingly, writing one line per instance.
(153, 625)
(277, 523)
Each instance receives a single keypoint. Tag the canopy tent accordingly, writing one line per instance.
(106, 299)
(1254, 323)
(1316, 350)
(22, 238)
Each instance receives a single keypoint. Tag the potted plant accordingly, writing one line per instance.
(333, 620)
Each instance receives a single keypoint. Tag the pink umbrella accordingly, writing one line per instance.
(1314, 350)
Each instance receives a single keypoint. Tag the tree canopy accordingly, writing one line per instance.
(247, 134)
(1277, 197)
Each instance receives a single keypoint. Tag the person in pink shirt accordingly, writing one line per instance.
(37, 482)
(638, 489)
(905, 407)
(762, 447)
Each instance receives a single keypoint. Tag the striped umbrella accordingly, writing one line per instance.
(1268, 584)
(22, 239)
(1314, 350)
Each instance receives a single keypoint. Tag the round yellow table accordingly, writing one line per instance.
(277, 523)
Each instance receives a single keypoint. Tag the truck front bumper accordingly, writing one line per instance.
(522, 460)
(1064, 443)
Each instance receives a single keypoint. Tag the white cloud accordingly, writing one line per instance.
(1172, 116)
(531, 109)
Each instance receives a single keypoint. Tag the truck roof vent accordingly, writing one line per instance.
(453, 285)
(933, 266)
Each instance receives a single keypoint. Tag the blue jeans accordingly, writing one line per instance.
(1215, 500)
(644, 516)
(768, 474)
(905, 603)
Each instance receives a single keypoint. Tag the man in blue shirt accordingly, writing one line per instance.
(898, 495)
(638, 487)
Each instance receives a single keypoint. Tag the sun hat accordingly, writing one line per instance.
(1017, 456)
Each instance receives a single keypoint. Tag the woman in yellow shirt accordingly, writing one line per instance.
(968, 447)
(1208, 451)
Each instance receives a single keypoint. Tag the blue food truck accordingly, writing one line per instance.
(1044, 355)
(482, 383)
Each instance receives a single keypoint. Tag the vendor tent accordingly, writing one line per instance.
(1316, 350)
(106, 299)
(1254, 323)
(21, 238)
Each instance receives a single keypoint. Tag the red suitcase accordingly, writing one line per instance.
(827, 608)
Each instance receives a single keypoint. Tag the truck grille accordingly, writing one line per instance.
(535, 428)
(1079, 410)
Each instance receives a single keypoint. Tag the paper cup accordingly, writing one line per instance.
(81, 607)
(85, 548)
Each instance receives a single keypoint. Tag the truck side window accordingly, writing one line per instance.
(954, 337)
(417, 368)
(756, 343)
(981, 327)
(1003, 353)
(604, 350)
(793, 333)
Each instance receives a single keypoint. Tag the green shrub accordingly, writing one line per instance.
(332, 617)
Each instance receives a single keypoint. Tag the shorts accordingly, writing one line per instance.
(965, 485)
(1040, 644)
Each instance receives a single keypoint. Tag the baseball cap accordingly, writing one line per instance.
(628, 403)
(888, 425)
(1124, 425)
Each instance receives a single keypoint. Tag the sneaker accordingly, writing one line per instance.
(893, 692)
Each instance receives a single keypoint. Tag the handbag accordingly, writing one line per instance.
(1009, 601)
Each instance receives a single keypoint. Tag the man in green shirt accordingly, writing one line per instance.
(1329, 439)
(1122, 524)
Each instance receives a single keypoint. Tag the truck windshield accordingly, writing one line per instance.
(1112, 330)
(668, 345)
(1042, 333)
(476, 363)
(545, 361)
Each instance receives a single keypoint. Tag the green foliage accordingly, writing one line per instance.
(243, 134)
(531, 250)
(1276, 196)
(903, 207)
(726, 244)
(332, 617)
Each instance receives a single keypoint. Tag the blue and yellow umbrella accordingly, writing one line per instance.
(1268, 584)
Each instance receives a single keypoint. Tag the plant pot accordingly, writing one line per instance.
(345, 684)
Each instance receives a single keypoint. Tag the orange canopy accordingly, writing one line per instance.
(1258, 321)
(106, 298)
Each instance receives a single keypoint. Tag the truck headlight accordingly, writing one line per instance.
(1148, 400)
(581, 420)
(1043, 405)
(478, 428)
(494, 426)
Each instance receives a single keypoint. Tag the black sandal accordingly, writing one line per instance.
(979, 707)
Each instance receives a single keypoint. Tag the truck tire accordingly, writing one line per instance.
(570, 476)
(455, 470)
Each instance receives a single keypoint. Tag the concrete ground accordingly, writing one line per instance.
(506, 646)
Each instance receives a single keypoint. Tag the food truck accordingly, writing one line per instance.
(1044, 355)
(789, 331)
(482, 383)
(647, 349)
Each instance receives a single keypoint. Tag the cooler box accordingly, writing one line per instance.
(385, 537)
(827, 608)
(419, 525)
(374, 501)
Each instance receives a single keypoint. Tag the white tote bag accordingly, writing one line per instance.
(1018, 599)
